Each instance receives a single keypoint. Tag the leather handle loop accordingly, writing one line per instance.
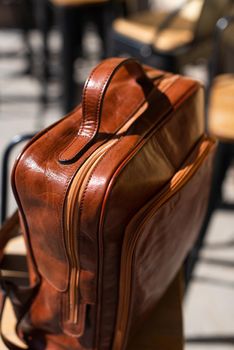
(94, 93)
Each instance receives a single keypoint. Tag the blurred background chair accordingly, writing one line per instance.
(169, 40)
(220, 124)
(221, 106)
(18, 14)
(71, 18)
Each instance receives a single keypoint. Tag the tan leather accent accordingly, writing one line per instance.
(221, 107)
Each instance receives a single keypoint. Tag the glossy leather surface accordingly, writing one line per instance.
(167, 231)
(164, 118)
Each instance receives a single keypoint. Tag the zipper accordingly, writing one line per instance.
(180, 179)
(73, 201)
(72, 222)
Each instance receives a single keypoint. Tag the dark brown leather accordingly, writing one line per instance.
(111, 200)
(163, 329)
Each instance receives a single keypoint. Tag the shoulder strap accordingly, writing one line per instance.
(9, 230)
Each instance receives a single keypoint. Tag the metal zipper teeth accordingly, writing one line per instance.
(72, 222)
(130, 244)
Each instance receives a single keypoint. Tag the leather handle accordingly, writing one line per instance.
(94, 93)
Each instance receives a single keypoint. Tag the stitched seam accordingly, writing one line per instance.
(163, 152)
(62, 223)
(91, 175)
(82, 126)
(97, 111)
(86, 90)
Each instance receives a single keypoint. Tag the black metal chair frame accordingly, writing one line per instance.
(222, 161)
(146, 52)
(5, 171)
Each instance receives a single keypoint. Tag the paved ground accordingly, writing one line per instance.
(209, 304)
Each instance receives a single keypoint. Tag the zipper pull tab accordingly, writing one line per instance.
(75, 318)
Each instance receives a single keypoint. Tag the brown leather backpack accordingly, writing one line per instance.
(111, 199)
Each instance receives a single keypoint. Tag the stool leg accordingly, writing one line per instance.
(70, 30)
(43, 19)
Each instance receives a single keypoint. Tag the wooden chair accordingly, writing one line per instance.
(169, 40)
(220, 123)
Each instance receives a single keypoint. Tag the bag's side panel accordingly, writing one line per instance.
(167, 237)
(145, 174)
(163, 329)
(136, 179)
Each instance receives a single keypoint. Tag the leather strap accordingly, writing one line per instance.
(9, 230)
(94, 93)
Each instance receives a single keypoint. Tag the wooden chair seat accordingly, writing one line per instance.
(221, 108)
(143, 27)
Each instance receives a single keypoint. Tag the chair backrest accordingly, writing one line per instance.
(211, 11)
(135, 5)
(223, 54)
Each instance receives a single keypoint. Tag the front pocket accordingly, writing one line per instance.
(158, 239)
